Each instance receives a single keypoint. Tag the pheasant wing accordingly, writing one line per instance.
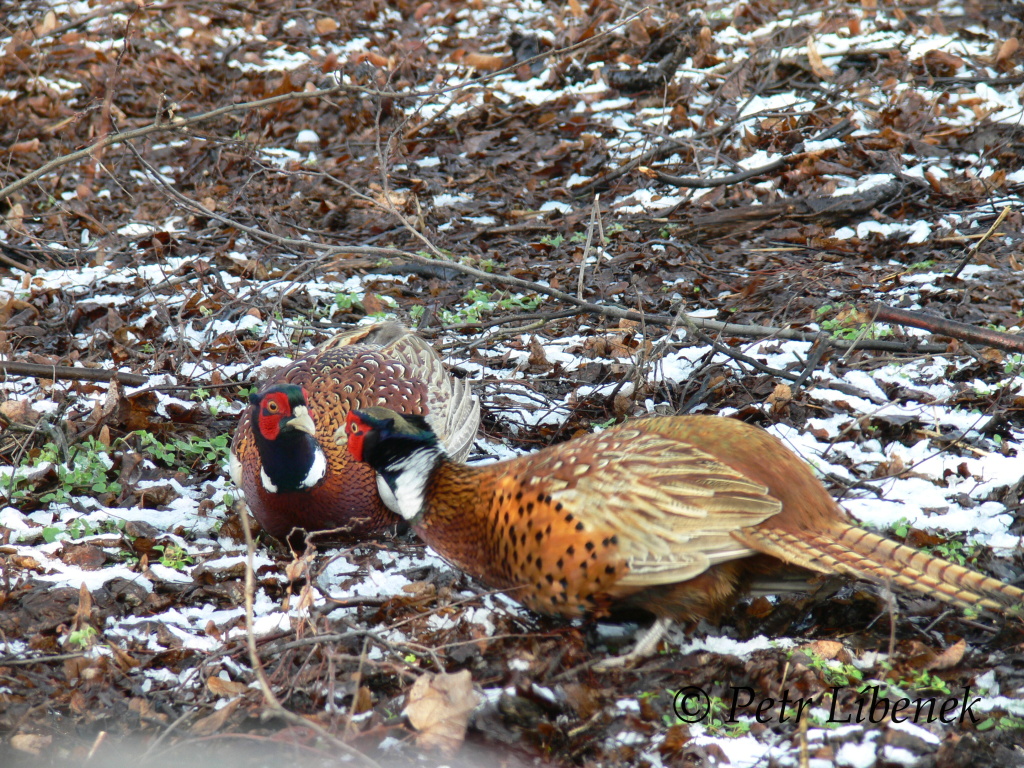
(672, 506)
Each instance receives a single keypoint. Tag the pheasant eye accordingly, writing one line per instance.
(272, 406)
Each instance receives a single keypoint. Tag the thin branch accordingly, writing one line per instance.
(175, 124)
(40, 371)
(973, 250)
(952, 328)
(273, 703)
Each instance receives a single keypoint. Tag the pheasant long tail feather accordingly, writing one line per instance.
(852, 551)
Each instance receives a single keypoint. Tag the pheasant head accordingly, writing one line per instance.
(285, 436)
(402, 449)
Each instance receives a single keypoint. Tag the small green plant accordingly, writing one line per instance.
(173, 556)
(717, 723)
(1003, 723)
(901, 528)
(481, 303)
(924, 680)
(836, 673)
(83, 638)
(951, 550)
(846, 323)
(553, 240)
(345, 301)
(84, 472)
(186, 454)
(921, 265)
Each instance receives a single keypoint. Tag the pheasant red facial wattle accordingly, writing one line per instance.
(670, 515)
(289, 455)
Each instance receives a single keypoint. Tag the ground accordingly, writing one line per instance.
(595, 212)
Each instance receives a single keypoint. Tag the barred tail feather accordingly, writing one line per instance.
(852, 551)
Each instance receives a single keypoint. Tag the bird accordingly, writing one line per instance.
(669, 515)
(285, 455)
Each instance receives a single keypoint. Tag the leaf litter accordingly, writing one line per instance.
(123, 611)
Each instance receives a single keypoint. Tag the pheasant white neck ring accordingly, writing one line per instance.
(403, 483)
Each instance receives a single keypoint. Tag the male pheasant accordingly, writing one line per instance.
(669, 515)
(285, 455)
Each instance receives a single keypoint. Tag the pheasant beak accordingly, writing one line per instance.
(302, 421)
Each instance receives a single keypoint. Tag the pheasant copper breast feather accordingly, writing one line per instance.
(286, 455)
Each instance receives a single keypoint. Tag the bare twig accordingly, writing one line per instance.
(175, 124)
(273, 703)
(40, 371)
(595, 211)
(973, 250)
(952, 328)
(695, 182)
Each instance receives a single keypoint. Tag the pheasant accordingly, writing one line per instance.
(285, 455)
(668, 515)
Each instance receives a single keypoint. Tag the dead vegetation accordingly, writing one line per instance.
(166, 217)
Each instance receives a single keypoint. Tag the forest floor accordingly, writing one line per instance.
(595, 211)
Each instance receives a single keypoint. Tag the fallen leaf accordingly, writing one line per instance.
(818, 66)
(950, 657)
(828, 650)
(225, 688)
(212, 723)
(438, 707)
(1006, 52)
(325, 25)
(780, 397)
(32, 743)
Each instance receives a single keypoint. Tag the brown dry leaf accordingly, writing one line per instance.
(950, 657)
(780, 397)
(297, 567)
(372, 305)
(537, 356)
(26, 562)
(362, 701)
(225, 688)
(438, 707)
(1006, 52)
(84, 606)
(422, 10)
(33, 743)
(23, 146)
(576, 9)
(326, 25)
(213, 723)
(484, 62)
(828, 650)
(47, 25)
(19, 412)
(818, 66)
(941, 64)
(15, 215)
